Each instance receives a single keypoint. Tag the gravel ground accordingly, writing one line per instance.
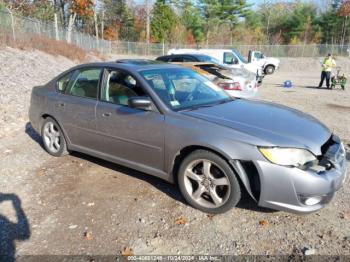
(82, 205)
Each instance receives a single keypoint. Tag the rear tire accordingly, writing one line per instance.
(53, 138)
(208, 182)
(269, 70)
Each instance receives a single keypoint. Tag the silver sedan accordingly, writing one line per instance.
(170, 122)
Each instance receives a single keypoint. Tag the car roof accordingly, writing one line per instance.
(139, 61)
(131, 66)
(185, 54)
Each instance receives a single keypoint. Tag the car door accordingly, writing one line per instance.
(231, 59)
(128, 134)
(75, 107)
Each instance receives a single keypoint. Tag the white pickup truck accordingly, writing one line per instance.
(257, 62)
(269, 64)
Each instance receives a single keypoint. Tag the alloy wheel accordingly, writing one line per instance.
(52, 137)
(207, 184)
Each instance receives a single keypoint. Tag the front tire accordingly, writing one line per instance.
(269, 70)
(53, 138)
(208, 183)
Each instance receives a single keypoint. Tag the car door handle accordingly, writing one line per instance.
(61, 104)
(106, 114)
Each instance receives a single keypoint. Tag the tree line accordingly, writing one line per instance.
(198, 22)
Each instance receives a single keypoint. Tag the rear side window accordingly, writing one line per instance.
(163, 58)
(86, 83)
(177, 59)
(188, 59)
(63, 82)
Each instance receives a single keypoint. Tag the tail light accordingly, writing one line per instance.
(230, 86)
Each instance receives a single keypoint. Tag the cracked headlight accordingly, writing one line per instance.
(287, 156)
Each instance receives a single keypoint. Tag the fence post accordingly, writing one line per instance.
(163, 47)
(56, 27)
(12, 24)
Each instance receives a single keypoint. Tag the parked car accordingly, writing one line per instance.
(229, 57)
(182, 58)
(171, 122)
(238, 82)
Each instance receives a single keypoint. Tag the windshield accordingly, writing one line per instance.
(182, 88)
(239, 55)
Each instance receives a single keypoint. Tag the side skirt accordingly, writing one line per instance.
(123, 162)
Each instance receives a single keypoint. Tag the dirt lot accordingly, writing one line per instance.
(81, 205)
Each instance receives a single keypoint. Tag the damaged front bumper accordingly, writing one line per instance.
(303, 191)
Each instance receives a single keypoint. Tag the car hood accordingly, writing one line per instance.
(276, 125)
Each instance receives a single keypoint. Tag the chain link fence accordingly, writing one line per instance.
(20, 27)
(25, 27)
(134, 48)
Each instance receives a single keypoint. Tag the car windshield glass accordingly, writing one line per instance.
(240, 57)
(182, 88)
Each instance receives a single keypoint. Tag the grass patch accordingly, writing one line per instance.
(44, 44)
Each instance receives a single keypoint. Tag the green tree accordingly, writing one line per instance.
(117, 14)
(301, 23)
(192, 20)
(209, 10)
(330, 25)
(231, 11)
(163, 21)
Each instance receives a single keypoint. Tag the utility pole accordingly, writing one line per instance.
(148, 21)
(102, 24)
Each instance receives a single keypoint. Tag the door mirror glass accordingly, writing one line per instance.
(139, 102)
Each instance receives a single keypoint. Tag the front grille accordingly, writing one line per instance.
(332, 153)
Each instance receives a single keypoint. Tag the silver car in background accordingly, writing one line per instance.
(171, 122)
(237, 82)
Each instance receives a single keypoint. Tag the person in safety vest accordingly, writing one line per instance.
(327, 66)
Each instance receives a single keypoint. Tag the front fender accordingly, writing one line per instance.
(183, 132)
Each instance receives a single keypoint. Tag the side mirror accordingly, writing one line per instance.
(235, 61)
(140, 102)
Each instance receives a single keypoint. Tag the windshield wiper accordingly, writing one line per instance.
(207, 105)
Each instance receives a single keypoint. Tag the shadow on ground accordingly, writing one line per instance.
(10, 231)
(170, 189)
(29, 130)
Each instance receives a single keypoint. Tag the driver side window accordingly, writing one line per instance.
(119, 86)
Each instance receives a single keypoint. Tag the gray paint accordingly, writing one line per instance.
(149, 141)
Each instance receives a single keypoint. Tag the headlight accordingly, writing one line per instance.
(287, 156)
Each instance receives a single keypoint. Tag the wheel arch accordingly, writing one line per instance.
(249, 179)
(268, 65)
(46, 115)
